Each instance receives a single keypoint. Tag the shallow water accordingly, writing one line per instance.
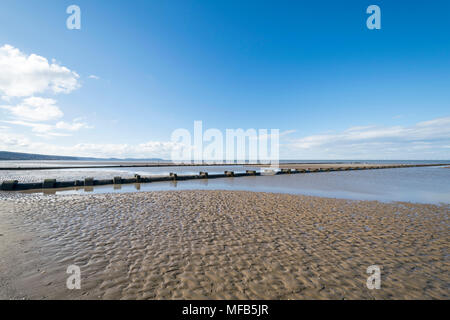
(109, 173)
(421, 184)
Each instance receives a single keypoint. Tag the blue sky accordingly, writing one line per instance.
(309, 68)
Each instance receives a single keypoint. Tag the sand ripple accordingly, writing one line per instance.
(221, 245)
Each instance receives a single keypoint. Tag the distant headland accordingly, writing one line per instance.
(6, 155)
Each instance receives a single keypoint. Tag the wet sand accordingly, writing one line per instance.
(220, 245)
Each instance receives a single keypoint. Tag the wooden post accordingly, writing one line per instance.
(117, 180)
(79, 183)
(49, 183)
(9, 185)
(88, 182)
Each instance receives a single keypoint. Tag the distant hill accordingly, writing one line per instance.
(6, 155)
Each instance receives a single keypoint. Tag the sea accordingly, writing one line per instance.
(414, 184)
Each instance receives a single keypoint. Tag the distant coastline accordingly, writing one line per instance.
(6, 155)
(21, 156)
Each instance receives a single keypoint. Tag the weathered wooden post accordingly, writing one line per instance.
(138, 178)
(9, 185)
(117, 180)
(229, 173)
(173, 176)
(79, 183)
(49, 183)
(203, 174)
(88, 182)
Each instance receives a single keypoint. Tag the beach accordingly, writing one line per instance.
(216, 244)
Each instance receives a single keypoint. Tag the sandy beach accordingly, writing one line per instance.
(220, 245)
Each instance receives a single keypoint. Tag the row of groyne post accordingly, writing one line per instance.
(14, 185)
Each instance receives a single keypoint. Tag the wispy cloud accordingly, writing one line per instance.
(93, 76)
(60, 129)
(270, 135)
(75, 125)
(21, 143)
(423, 140)
(11, 141)
(419, 140)
(35, 109)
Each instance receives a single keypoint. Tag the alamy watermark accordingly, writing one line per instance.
(374, 280)
(74, 20)
(374, 20)
(235, 146)
(74, 280)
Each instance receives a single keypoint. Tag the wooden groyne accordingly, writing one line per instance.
(14, 185)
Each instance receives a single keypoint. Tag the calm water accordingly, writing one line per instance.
(424, 185)
(109, 173)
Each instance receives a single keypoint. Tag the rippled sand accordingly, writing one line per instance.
(220, 245)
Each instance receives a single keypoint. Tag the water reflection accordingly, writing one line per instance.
(426, 185)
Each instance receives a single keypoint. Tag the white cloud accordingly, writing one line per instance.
(424, 140)
(35, 109)
(372, 142)
(24, 75)
(150, 149)
(74, 126)
(270, 135)
(93, 76)
(60, 129)
(13, 141)
(36, 127)
(19, 142)
(33, 112)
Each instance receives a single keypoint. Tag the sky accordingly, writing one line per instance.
(138, 70)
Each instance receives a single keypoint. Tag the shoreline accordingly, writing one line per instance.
(112, 193)
(221, 245)
(15, 185)
(294, 165)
